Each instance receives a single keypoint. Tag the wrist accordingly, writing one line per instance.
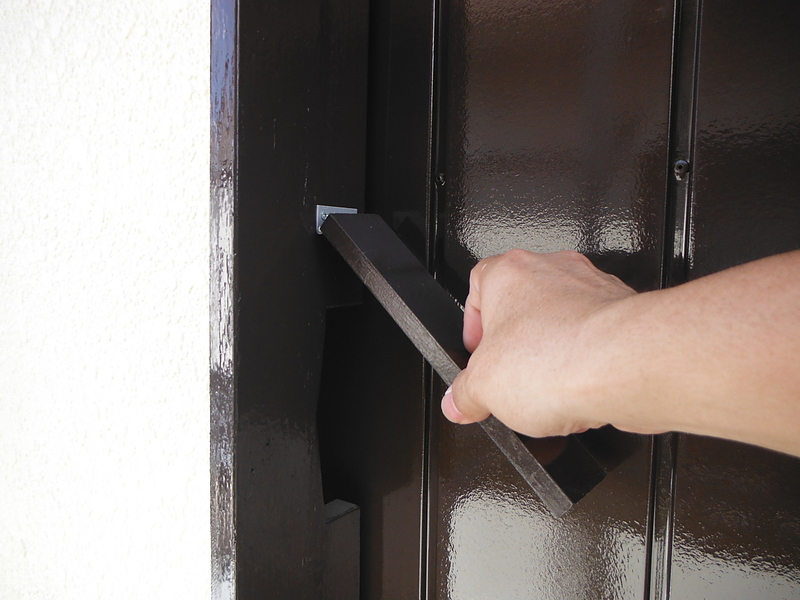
(615, 379)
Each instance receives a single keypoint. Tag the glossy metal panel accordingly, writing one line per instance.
(498, 541)
(555, 134)
(737, 508)
(737, 522)
(747, 147)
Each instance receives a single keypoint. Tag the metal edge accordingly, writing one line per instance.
(222, 284)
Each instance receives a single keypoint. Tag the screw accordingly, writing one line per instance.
(680, 169)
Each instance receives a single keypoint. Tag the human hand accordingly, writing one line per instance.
(531, 322)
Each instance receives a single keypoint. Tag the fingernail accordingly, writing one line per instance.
(449, 408)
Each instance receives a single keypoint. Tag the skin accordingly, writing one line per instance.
(559, 347)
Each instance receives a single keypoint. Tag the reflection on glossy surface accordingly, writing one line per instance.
(484, 527)
(737, 522)
(498, 541)
(737, 508)
(746, 179)
(554, 137)
(221, 327)
(702, 575)
(556, 132)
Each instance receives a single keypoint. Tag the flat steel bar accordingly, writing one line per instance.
(432, 320)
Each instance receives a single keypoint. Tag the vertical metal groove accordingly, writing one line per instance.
(429, 477)
(224, 81)
(682, 127)
(661, 517)
(677, 257)
(430, 474)
(433, 138)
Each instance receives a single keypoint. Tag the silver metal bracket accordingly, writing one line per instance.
(323, 212)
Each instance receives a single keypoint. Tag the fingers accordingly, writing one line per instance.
(473, 326)
(523, 319)
(459, 406)
(449, 408)
(468, 411)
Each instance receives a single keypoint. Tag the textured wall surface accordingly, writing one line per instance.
(104, 419)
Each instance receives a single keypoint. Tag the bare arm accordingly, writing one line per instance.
(559, 347)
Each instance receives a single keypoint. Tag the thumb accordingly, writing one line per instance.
(458, 406)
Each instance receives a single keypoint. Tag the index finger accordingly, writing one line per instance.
(473, 327)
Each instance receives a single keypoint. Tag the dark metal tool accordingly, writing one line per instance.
(560, 471)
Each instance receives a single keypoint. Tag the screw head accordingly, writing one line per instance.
(680, 168)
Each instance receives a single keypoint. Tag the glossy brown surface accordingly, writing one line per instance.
(498, 541)
(737, 522)
(746, 178)
(737, 508)
(556, 128)
(555, 122)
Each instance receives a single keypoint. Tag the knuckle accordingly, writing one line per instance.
(518, 254)
(574, 256)
(515, 261)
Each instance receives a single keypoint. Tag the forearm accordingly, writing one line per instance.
(718, 356)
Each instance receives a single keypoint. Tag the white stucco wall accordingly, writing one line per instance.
(104, 194)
